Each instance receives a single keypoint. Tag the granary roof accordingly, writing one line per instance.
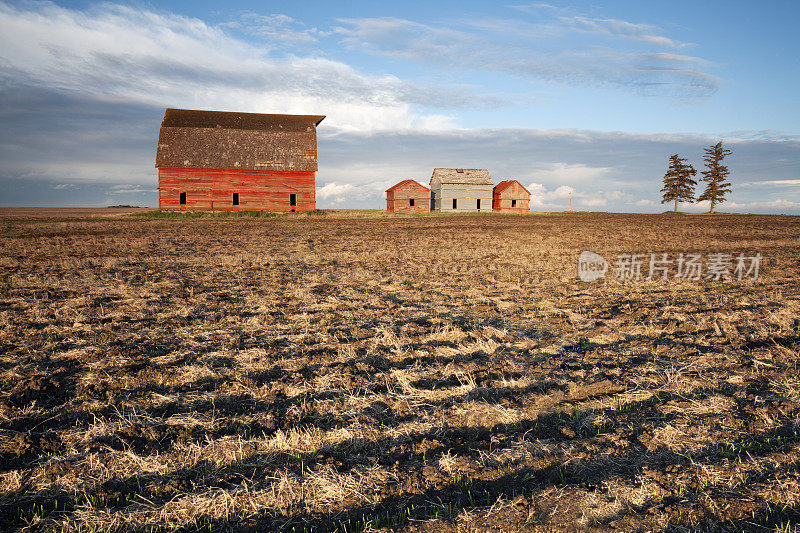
(244, 141)
(505, 184)
(405, 183)
(469, 176)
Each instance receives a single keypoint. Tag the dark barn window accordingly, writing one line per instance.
(479, 204)
(513, 203)
(411, 202)
(292, 200)
(236, 198)
(183, 198)
(454, 203)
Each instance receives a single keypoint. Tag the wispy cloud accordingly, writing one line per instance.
(774, 183)
(277, 28)
(120, 53)
(782, 182)
(564, 20)
(618, 28)
(546, 49)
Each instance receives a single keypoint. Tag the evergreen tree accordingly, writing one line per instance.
(715, 175)
(678, 182)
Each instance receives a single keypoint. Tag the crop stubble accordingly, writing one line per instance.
(411, 373)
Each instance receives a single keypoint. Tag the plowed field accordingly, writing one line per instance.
(448, 373)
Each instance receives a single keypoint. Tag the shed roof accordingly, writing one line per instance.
(406, 183)
(468, 176)
(505, 184)
(246, 141)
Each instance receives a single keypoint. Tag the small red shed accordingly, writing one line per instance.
(511, 197)
(408, 196)
(220, 161)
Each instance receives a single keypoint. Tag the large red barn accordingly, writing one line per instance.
(214, 160)
(408, 196)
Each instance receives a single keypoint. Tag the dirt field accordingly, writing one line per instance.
(395, 373)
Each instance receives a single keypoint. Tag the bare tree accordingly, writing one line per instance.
(678, 182)
(715, 175)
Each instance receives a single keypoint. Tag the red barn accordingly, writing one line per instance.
(511, 197)
(408, 196)
(214, 160)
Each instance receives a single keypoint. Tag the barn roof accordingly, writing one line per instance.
(246, 141)
(505, 184)
(405, 183)
(190, 118)
(468, 176)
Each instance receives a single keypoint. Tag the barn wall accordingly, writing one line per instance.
(466, 195)
(400, 199)
(502, 200)
(504, 205)
(259, 190)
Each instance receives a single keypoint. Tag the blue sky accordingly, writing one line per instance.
(589, 98)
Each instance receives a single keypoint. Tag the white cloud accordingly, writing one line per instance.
(558, 198)
(564, 191)
(765, 204)
(337, 194)
(334, 190)
(593, 202)
(119, 53)
(542, 197)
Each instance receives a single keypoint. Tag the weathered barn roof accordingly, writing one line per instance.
(505, 184)
(468, 176)
(247, 141)
(406, 183)
(190, 118)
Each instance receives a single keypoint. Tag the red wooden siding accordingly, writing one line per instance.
(398, 198)
(511, 193)
(212, 189)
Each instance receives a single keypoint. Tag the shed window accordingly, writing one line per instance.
(454, 203)
(513, 203)
(292, 199)
(411, 202)
(236, 198)
(183, 198)
(479, 204)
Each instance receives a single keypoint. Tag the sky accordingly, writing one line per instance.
(587, 99)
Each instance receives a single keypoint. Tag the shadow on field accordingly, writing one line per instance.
(527, 499)
(423, 492)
